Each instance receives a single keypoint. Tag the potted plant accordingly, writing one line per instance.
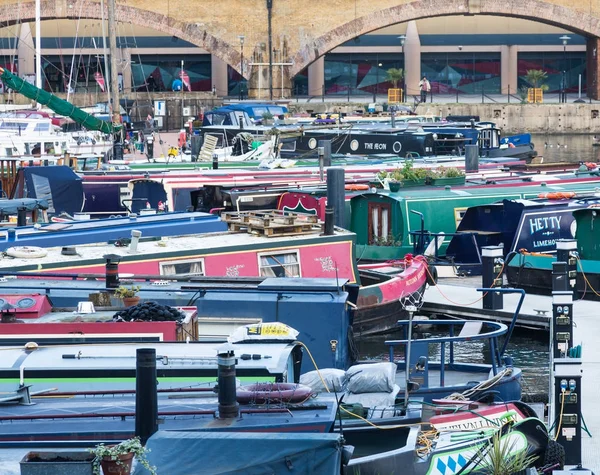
(267, 118)
(536, 78)
(128, 295)
(504, 457)
(394, 75)
(68, 463)
(413, 176)
(394, 179)
(117, 459)
(446, 176)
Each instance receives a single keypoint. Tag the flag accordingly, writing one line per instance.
(185, 79)
(99, 79)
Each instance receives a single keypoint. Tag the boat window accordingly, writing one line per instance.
(36, 149)
(8, 151)
(49, 148)
(288, 145)
(42, 127)
(259, 112)
(379, 223)
(459, 214)
(184, 267)
(283, 264)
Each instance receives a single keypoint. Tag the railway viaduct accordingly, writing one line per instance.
(304, 30)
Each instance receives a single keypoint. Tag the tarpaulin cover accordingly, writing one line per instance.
(248, 453)
(60, 106)
(60, 186)
(8, 207)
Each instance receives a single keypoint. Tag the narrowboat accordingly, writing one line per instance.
(270, 244)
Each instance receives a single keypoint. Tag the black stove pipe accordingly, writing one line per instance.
(146, 396)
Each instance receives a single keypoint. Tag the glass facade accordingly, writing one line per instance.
(160, 72)
(88, 73)
(468, 73)
(557, 65)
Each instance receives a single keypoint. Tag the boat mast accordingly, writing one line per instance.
(38, 48)
(112, 44)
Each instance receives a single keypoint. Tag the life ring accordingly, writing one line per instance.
(356, 187)
(264, 393)
(26, 252)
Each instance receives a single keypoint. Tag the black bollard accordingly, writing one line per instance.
(21, 217)
(215, 164)
(329, 218)
(491, 276)
(112, 270)
(146, 398)
(336, 194)
(228, 406)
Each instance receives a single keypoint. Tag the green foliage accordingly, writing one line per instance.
(124, 292)
(267, 115)
(536, 78)
(388, 241)
(394, 75)
(128, 446)
(503, 458)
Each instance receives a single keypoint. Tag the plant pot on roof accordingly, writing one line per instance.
(442, 176)
(128, 295)
(66, 463)
(118, 459)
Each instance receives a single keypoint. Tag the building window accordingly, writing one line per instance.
(192, 267)
(379, 222)
(281, 264)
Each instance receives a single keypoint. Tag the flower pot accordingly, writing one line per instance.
(66, 463)
(442, 181)
(394, 186)
(418, 182)
(118, 466)
(131, 301)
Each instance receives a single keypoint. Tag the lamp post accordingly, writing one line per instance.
(565, 39)
(242, 38)
(402, 39)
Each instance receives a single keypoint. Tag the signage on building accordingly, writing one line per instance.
(160, 108)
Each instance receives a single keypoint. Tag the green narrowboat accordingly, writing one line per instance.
(387, 224)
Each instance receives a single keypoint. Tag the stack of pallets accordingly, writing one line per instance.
(271, 223)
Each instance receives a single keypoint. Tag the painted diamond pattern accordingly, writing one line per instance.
(441, 466)
(451, 464)
(461, 461)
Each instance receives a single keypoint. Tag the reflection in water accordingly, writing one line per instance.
(572, 148)
(530, 354)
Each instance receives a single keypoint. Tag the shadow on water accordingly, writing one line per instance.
(572, 148)
(528, 349)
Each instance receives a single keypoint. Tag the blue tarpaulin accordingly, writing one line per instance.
(248, 453)
(60, 186)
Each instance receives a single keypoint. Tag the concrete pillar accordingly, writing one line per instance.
(316, 77)
(218, 75)
(508, 69)
(26, 51)
(412, 59)
(593, 68)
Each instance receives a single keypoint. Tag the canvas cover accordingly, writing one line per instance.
(60, 186)
(248, 453)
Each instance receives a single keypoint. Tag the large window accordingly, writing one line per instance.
(190, 267)
(281, 264)
(160, 71)
(468, 73)
(379, 223)
(571, 64)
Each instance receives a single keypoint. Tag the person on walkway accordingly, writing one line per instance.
(425, 87)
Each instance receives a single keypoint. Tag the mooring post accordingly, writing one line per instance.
(336, 194)
(146, 397)
(228, 406)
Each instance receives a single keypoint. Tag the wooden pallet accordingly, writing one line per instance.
(271, 223)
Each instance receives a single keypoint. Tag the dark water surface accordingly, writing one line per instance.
(572, 148)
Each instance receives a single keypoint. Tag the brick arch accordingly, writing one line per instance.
(60, 9)
(536, 10)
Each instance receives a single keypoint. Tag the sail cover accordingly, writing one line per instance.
(58, 105)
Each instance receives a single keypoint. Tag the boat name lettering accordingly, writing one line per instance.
(543, 223)
(375, 146)
(480, 422)
(546, 243)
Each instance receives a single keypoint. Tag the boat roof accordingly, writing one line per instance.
(174, 246)
(170, 356)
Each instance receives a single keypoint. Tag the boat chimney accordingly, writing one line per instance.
(135, 239)
(146, 398)
(329, 219)
(471, 158)
(336, 194)
(112, 270)
(21, 217)
(228, 406)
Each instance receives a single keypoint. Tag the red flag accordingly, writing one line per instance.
(99, 79)
(185, 79)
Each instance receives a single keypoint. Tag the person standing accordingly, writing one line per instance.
(425, 87)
